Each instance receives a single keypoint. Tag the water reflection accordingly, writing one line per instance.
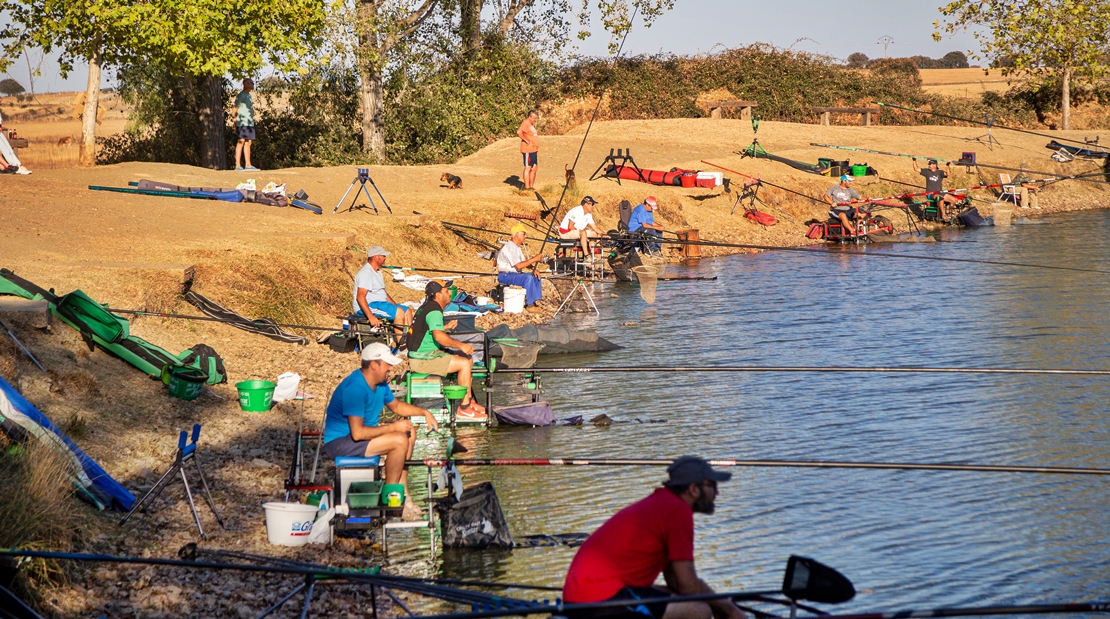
(910, 537)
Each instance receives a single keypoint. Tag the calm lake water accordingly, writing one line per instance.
(913, 539)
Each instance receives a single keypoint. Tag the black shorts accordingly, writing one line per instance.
(850, 211)
(530, 159)
(632, 611)
(246, 132)
(345, 446)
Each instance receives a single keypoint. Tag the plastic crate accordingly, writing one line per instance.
(426, 387)
(364, 494)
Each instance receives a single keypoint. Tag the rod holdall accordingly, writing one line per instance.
(204, 358)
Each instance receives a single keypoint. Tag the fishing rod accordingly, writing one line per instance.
(590, 125)
(808, 464)
(822, 252)
(800, 369)
(879, 152)
(980, 122)
(1078, 177)
(906, 196)
(759, 180)
(449, 272)
(974, 611)
(24, 348)
(210, 319)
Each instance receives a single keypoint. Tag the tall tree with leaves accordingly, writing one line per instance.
(100, 33)
(1053, 41)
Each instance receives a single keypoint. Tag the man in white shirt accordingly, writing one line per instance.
(511, 265)
(578, 223)
(370, 296)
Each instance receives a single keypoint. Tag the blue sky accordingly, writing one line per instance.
(701, 26)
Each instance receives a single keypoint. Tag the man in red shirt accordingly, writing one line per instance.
(653, 536)
(529, 149)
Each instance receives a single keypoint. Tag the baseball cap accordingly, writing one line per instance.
(650, 200)
(518, 228)
(932, 162)
(379, 352)
(692, 470)
(589, 200)
(847, 177)
(436, 285)
(376, 250)
(1024, 165)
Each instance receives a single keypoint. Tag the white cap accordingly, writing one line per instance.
(376, 250)
(379, 352)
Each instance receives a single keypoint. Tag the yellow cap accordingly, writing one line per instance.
(518, 228)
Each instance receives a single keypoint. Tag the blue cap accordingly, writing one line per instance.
(847, 177)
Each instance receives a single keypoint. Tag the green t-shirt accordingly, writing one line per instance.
(428, 346)
(244, 110)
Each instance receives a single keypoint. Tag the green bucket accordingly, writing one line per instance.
(859, 170)
(454, 392)
(388, 489)
(255, 395)
(185, 383)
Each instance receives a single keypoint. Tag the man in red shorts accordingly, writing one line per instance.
(653, 536)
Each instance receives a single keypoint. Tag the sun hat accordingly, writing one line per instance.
(692, 470)
(518, 229)
(847, 177)
(376, 250)
(379, 352)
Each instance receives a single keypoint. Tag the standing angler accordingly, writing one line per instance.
(529, 148)
(244, 126)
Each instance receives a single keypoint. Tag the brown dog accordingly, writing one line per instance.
(453, 182)
(66, 140)
(570, 176)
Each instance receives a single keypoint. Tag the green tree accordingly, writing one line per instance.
(202, 41)
(9, 87)
(858, 60)
(1052, 41)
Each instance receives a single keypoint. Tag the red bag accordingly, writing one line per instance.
(816, 231)
(764, 219)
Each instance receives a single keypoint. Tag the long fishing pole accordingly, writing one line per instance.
(210, 319)
(980, 122)
(728, 369)
(760, 180)
(906, 196)
(590, 125)
(20, 344)
(449, 272)
(822, 252)
(1078, 177)
(878, 152)
(975, 611)
(807, 464)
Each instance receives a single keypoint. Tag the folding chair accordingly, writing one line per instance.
(1010, 191)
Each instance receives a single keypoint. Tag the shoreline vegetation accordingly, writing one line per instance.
(295, 267)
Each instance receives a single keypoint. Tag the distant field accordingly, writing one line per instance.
(965, 83)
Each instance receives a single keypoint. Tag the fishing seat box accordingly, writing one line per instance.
(352, 470)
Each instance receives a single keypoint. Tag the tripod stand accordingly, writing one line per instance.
(579, 285)
(362, 178)
(755, 149)
(184, 454)
(988, 137)
(623, 158)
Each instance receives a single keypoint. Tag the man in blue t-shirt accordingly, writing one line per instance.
(351, 423)
(642, 221)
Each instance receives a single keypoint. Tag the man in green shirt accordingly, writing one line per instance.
(244, 125)
(428, 341)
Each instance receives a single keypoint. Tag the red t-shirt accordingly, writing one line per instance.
(632, 548)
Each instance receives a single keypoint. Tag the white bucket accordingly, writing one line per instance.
(289, 524)
(514, 300)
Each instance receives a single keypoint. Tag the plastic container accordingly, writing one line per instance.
(454, 392)
(688, 180)
(859, 170)
(255, 396)
(514, 300)
(824, 162)
(185, 383)
(393, 495)
(289, 524)
(364, 494)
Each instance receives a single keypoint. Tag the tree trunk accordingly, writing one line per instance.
(1065, 101)
(211, 145)
(92, 97)
(370, 72)
(470, 26)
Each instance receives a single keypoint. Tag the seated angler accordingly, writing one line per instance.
(370, 294)
(642, 221)
(429, 347)
(351, 422)
(840, 197)
(579, 223)
(511, 264)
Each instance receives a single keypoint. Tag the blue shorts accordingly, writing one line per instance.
(382, 309)
(246, 132)
(345, 446)
(530, 159)
(850, 211)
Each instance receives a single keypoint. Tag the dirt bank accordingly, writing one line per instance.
(130, 250)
